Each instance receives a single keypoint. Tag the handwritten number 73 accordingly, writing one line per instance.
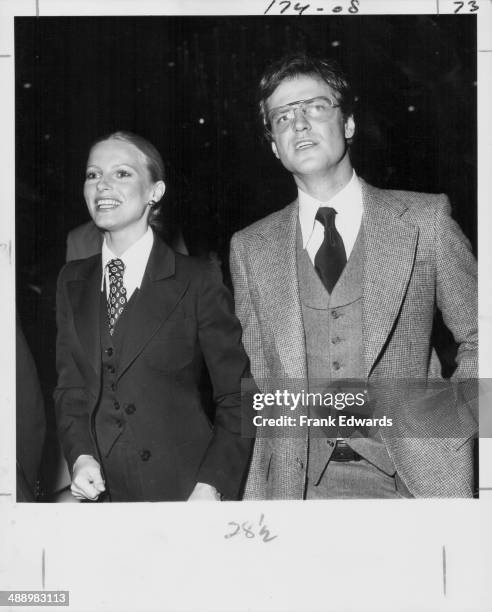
(473, 4)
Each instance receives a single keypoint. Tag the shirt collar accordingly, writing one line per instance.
(135, 257)
(347, 202)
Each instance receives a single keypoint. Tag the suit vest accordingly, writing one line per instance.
(110, 418)
(334, 346)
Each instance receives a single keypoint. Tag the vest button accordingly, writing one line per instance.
(111, 369)
(336, 365)
(109, 351)
(145, 455)
(116, 405)
(119, 423)
(130, 409)
(113, 386)
(334, 314)
(336, 340)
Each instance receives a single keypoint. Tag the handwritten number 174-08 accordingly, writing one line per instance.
(282, 6)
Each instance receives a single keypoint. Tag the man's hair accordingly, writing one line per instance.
(292, 66)
(153, 161)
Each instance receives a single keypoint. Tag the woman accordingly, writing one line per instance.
(135, 325)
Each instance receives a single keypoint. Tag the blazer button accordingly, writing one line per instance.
(336, 365)
(116, 405)
(330, 443)
(113, 386)
(109, 351)
(111, 369)
(119, 423)
(145, 455)
(130, 409)
(300, 464)
(336, 340)
(334, 314)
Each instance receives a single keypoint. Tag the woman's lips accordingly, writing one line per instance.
(107, 204)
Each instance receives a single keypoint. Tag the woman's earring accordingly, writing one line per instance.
(151, 203)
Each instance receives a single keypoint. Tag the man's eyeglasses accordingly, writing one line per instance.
(319, 108)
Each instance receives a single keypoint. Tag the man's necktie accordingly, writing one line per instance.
(117, 292)
(331, 258)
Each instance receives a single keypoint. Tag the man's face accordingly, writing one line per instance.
(310, 146)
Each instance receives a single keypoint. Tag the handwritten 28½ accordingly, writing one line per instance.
(280, 7)
(250, 530)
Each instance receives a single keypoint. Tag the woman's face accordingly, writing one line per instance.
(118, 187)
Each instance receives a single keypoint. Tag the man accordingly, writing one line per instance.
(83, 241)
(343, 284)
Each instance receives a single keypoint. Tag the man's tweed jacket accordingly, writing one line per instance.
(415, 259)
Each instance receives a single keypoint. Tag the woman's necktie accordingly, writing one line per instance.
(117, 292)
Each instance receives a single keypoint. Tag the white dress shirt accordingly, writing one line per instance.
(135, 259)
(348, 204)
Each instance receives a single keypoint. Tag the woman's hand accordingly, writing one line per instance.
(87, 480)
(204, 492)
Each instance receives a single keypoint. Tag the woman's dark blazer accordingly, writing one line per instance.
(182, 317)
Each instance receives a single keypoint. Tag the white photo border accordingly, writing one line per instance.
(415, 554)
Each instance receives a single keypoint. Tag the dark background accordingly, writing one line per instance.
(188, 85)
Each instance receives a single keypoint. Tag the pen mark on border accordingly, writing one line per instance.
(444, 570)
(5, 494)
(437, 6)
(43, 569)
(6, 247)
(485, 488)
(5, 56)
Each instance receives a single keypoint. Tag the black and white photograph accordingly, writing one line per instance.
(246, 273)
(150, 409)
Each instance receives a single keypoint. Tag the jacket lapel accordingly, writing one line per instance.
(389, 254)
(159, 294)
(277, 274)
(85, 294)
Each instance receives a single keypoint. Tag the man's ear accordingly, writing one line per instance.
(349, 127)
(274, 149)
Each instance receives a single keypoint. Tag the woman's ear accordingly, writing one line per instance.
(158, 191)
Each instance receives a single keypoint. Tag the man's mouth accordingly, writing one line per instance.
(304, 144)
(107, 204)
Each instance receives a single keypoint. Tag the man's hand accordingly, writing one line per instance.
(204, 492)
(87, 480)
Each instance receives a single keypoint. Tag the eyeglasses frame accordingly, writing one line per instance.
(299, 104)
